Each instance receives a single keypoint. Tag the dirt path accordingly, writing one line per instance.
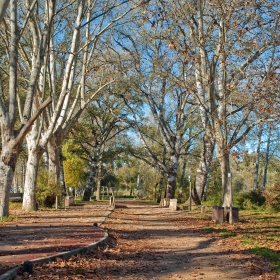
(148, 242)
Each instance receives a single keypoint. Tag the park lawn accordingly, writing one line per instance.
(257, 231)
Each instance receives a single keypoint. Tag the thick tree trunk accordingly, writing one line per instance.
(6, 180)
(155, 191)
(171, 184)
(172, 176)
(160, 186)
(90, 184)
(29, 197)
(203, 170)
(182, 181)
(34, 154)
(54, 152)
(225, 169)
(10, 150)
(93, 170)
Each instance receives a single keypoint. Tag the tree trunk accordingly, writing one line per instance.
(29, 197)
(138, 181)
(34, 154)
(225, 169)
(182, 181)
(160, 186)
(61, 176)
(171, 184)
(90, 184)
(3, 7)
(155, 191)
(98, 182)
(256, 176)
(46, 160)
(22, 177)
(54, 152)
(172, 175)
(203, 170)
(15, 184)
(266, 158)
(10, 150)
(93, 170)
(6, 180)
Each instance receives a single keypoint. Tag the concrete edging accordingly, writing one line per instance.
(12, 273)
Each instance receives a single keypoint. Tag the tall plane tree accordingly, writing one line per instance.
(16, 113)
(100, 126)
(233, 48)
(73, 60)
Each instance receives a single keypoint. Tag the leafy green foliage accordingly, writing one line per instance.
(74, 167)
(271, 255)
(252, 200)
(110, 180)
(46, 193)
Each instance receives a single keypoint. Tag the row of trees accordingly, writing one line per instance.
(185, 76)
(51, 68)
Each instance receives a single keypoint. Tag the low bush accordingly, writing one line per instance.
(272, 196)
(46, 193)
(252, 200)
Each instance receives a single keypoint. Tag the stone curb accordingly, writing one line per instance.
(12, 273)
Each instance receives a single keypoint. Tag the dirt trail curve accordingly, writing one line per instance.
(148, 242)
(155, 243)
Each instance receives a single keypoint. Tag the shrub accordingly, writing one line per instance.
(272, 196)
(46, 193)
(252, 199)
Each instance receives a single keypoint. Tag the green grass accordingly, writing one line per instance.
(271, 255)
(13, 205)
(80, 270)
(247, 241)
(8, 219)
(222, 232)
(227, 234)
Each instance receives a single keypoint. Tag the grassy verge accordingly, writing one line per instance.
(15, 205)
(8, 219)
(269, 254)
(220, 231)
(257, 231)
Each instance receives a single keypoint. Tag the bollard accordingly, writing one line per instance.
(218, 214)
(27, 267)
(166, 202)
(173, 204)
